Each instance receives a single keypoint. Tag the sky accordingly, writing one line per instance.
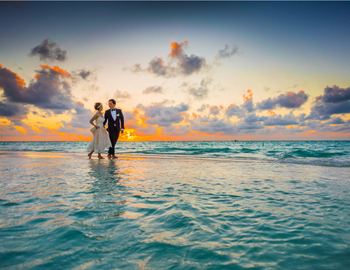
(178, 70)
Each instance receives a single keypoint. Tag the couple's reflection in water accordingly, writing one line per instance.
(107, 192)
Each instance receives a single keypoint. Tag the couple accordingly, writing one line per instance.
(102, 139)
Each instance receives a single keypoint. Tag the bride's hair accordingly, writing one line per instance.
(98, 105)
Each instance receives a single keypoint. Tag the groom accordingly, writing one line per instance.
(115, 118)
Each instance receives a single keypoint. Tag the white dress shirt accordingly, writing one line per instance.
(114, 115)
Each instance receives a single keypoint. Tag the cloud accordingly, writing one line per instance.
(248, 96)
(79, 123)
(214, 110)
(234, 110)
(83, 73)
(289, 100)
(187, 64)
(184, 64)
(158, 67)
(9, 109)
(336, 121)
(49, 89)
(203, 108)
(153, 90)
(335, 100)
(201, 92)
(279, 120)
(120, 96)
(248, 106)
(212, 126)
(49, 50)
(163, 116)
(335, 95)
(227, 52)
(135, 68)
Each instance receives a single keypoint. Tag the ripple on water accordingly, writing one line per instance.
(172, 214)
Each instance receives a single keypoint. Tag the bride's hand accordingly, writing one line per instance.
(97, 127)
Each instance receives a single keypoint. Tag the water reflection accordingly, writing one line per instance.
(108, 195)
(104, 170)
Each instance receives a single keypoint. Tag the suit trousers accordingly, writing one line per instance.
(114, 135)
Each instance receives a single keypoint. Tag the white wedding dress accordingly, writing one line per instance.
(101, 139)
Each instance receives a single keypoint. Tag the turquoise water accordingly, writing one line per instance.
(321, 153)
(228, 205)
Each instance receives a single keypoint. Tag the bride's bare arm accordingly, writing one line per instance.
(93, 119)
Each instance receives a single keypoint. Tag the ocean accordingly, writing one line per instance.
(319, 153)
(176, 205)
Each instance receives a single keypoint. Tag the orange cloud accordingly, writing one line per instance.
(57, 70)
(292, 94)
(271, 113)
(20, 82)
(230, 106)
(176, 48)
(248, 96)
(21, 129)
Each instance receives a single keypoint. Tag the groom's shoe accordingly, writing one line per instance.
(114, 156)
(109, 156)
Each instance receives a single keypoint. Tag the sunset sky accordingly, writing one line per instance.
(178, 70)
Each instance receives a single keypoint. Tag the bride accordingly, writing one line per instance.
(101, 139)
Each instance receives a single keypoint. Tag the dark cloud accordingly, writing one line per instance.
(336, 121)
(184, 64)
(49, 90)
(334, 100)
(325, 110)
(8, 109)
(49, 50)
(191, 64)
(158, 67)
(153, 90)
(290, 100)
(335, 95)
(84, 73)
(227, 52)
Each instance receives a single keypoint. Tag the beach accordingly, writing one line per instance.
(64, 211)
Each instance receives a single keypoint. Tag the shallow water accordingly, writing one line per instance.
(61, 211)
(317, 153)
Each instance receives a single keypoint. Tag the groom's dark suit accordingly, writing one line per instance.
(114, 127)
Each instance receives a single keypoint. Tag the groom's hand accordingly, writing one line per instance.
(122, 131)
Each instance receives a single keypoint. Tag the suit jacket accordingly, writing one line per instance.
(118, 121)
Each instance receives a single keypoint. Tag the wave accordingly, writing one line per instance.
(335, 154)
(308, 153)
(185, 151)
